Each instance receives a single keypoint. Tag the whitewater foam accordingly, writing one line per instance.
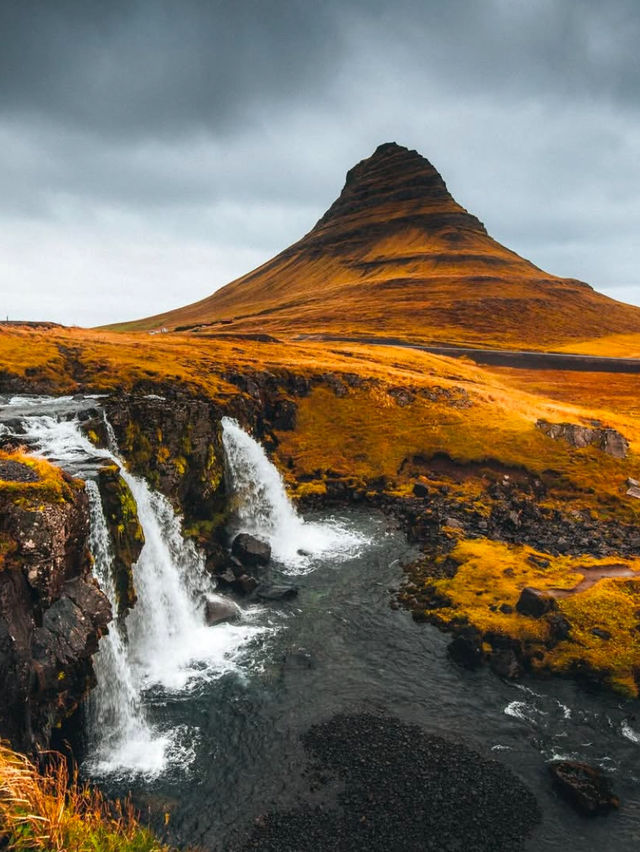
(264, 509)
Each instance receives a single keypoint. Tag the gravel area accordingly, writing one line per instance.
(391, 787)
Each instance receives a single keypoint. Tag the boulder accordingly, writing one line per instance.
(505, 663)
(559, 627)
(219, 611)
(534, 602)
(266, 592)
(584, 787)
(420, 490)
(251, 550)
(243, 584)
(466, 650)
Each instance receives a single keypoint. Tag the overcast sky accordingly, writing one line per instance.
(153, 150)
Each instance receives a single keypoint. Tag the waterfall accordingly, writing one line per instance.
(118, 728)
(167, 647)
(263, 508)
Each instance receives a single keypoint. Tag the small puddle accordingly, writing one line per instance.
(592, 576)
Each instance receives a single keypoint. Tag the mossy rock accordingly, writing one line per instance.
(127, 537)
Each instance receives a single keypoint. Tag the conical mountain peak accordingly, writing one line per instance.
(396, 256)
(396, 185)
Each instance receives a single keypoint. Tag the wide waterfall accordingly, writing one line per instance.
(264, 509)
(166, 647)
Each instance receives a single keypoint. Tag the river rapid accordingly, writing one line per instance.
(225, 736)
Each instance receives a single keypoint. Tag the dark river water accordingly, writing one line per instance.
(339, 647)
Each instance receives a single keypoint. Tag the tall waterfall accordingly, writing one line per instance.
(167, 647)
(118, 729)
(264, 509)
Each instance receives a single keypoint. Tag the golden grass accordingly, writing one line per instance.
(50, 811)
(52, 483)
(367, 433)
(492, 573)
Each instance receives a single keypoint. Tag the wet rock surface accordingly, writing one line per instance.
(218, 611)
(250, 550)
(376, 783)
(584, 787)
(126, 534)
(52, 614)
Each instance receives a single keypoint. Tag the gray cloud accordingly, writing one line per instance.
(151, 148)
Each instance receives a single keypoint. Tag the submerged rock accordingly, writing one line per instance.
(378, 784)
(251, 550)
(276, 593)
(586, 788)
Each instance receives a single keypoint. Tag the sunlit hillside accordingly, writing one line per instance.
(396, 255)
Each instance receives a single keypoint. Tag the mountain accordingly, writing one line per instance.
(396, 255)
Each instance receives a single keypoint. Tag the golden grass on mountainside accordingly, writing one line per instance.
(454, 407)
(396, 255)
(49, 811)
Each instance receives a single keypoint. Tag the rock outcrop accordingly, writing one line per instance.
(610, 441)
(586, 788)
(127, 537)
(173, 439)
(52, 612)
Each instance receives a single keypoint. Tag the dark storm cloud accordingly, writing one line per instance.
(153, 66)
(181, 141)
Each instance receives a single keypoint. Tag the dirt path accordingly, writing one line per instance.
(523, 359)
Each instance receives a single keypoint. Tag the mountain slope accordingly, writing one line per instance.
(397, 255)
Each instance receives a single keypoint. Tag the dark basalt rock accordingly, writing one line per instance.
(52, 614)
(535, 603)
(218, 611)
(243, 584)
(251, 550)
(505, 663)
(559, 628)
(13, 471)
(266, 592)
(586, 788)
(420, 490)
(466, 650)
(127, 538)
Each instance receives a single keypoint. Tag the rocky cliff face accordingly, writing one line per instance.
(52, 613)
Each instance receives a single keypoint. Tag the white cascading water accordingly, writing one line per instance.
(118, 727)
(264, 509)
(168, 646)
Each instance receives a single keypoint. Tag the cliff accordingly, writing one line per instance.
(52, 613)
